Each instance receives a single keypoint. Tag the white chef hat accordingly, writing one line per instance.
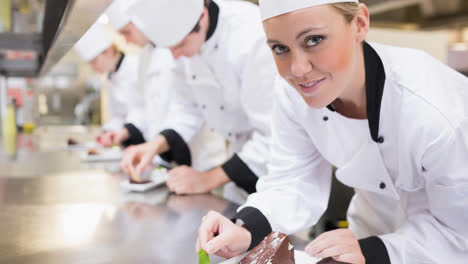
(96, 40)
(272, 8)
(166, 22)
(117, 13)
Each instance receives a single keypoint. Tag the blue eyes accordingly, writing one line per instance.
(279, 49)
(309, 42)
(314, 41)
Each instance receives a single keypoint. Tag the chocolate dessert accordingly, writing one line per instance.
(93, 152)
(72, 142)
(276, 248)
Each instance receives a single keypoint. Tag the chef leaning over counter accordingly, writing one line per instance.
(225, 77)
(125, 105)
(155, 75)
(394, 121)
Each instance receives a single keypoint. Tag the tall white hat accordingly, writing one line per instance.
(272, 8)
(117, 13)
(96, 40)
(166, 22)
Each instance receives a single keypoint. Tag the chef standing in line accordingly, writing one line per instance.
(96, 48)
(155, 78)
(224, 79)
(394, 121)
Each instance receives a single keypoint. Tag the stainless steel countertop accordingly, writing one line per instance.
(56, 209)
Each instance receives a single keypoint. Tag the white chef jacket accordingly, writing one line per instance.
(408, 163)
(125, 106)
(155, 83)
(155, 78)
(229, 86)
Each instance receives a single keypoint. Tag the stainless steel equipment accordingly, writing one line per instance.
(55, 209)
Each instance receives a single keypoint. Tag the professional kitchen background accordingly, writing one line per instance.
(48, 94)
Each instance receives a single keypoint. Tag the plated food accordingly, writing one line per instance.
(150, 178)
(72, 142)
(93, 151)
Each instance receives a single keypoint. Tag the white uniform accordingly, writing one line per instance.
(125, 104)
(155, 86)
(228, 86)
(410, 177)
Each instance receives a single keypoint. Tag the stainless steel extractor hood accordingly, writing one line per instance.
(65, 21)
(425, 14)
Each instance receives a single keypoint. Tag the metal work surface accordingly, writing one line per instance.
(63, 211)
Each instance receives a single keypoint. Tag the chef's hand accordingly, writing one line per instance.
(120, 136)
(186, 180)
(341, 245)
(105, 138)
(220, 236)
(137, 158)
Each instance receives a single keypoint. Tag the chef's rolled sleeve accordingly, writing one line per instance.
(374, 250)
(239, 173)
(135, 136)
(179, 151)
(256, 223)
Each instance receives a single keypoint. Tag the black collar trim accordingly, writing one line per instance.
(117, 66)
(213, 11)
(119, 63)
(375, 82)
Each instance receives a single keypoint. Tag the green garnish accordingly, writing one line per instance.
(203, 258)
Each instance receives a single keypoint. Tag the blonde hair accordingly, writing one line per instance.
(348, 9)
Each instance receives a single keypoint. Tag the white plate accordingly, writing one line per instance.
(300, 256)
(111, 154)
(84, 146)
(158, 177)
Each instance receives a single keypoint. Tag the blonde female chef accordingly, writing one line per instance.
(392, 120)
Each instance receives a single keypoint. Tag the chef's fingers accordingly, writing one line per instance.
(126, 161)
(334, 251)
(221, 241)
(225, 253)
(208, 228)
(144, 160)
(318, 245)
(197, 246)
(350, 258)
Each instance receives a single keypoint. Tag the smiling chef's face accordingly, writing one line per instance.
(315, 50)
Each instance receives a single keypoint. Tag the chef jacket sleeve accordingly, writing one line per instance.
(115, 110)
(294, 194)
(258, 77)
(183, 122)
(439, 233)
(135, 123)
(126, 104)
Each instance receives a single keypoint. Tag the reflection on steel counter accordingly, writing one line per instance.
(55, 209)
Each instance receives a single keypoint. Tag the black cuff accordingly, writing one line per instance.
(374, 250)
(240, 174)
(135, 138)
(178, 149)
(256, 223)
